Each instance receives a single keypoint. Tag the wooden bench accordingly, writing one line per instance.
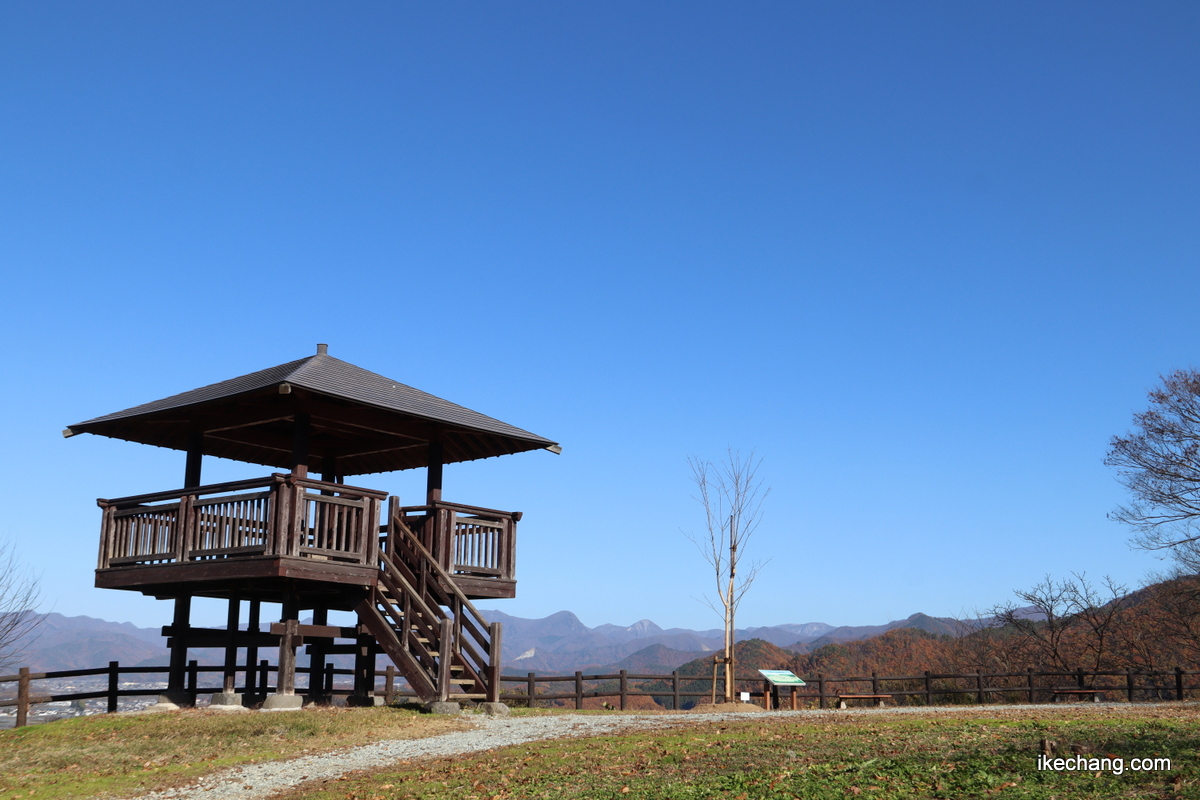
(1076, 692)
(880, 698)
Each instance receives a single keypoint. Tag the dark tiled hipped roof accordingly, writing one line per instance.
(368, 422)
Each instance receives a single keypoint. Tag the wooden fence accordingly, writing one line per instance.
(669, 691)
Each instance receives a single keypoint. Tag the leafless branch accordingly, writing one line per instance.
(19, 596)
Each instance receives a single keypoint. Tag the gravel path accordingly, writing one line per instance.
(262, 780)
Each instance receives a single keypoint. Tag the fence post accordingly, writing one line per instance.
(1079, 677)
(675, 690)
(531, 688)
(23, 698)
(979, 694)
(821, 689)
(928, 689)
(578, 690)
(1178, 683)
(624, 688)
(389, 684)
(874, 683)
(1129, 683)
(114, 681)
(1029, 682)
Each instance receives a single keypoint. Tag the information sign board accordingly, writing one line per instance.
(781, 677)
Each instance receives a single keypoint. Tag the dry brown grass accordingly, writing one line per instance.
(121, 754)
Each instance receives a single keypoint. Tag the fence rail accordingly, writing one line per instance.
(673, 690)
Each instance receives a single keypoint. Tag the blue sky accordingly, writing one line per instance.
(923, 258)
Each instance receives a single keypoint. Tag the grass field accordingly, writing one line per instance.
(980, 753)
(119, 755)
(984, 754)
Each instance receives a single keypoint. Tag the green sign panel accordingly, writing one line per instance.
(781, 677)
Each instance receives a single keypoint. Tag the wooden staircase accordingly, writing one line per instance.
(425, 624)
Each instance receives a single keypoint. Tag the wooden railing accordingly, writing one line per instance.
(424, 604)
(467, 540)
(230, 520)
(927, 689)
(668, 690)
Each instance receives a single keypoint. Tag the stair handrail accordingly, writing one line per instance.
(476, 623)
(446, 578)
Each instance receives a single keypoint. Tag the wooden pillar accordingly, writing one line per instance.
(285, 684)
(229, 678)
(301, 430)
(329, 468)
(447, 646)
(364, 670)
(195, 452)
(494, 668)
(252, 649)
(433, 477)
(317, 651)
(179, 643)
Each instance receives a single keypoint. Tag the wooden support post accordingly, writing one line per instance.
(496, 641)
(874, 683)
(301, 430)
(193, 680)
(674, 690)
(285, 681)
(624, 687)
(531, 689)
(445, 658)
(766, 695)
(433, 475)
(329, 469)
(1178, 683)
(195, 453)
(114, 684)
(1129, 684)
(980, 695)
(1029, 682)
(232, 618)
(821, 689)
(364, 668)
(22, 697)
(317, 652)
(794, 707)
(264, 680)
(389, 684)
(928, 689)
(1079, 677)
(252, 626)
(578, 690)
(179, 643)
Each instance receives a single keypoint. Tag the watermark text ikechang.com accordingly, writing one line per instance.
(1116, 766)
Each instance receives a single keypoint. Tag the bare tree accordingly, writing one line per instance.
(1098, 610)
(732, 496)
(1159, 462)
(1061, 623)
(18, 600)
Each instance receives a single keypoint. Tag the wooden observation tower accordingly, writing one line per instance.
(319, 544)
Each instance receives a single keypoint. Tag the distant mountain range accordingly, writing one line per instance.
(557, 644)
